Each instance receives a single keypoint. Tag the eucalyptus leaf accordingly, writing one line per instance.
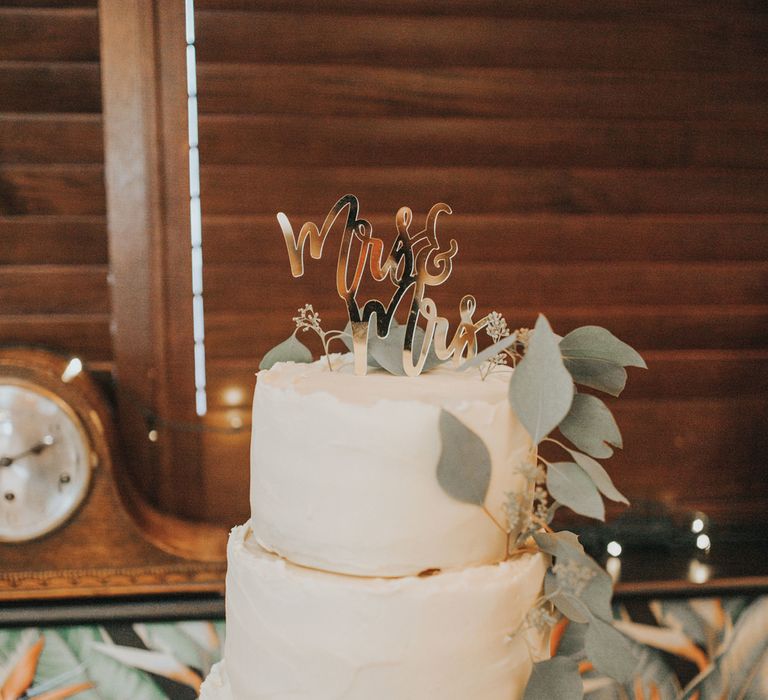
(564, 546)
(599, 476)
(464, 467)
(590, 426)
(290, 350)
(597, 374)
(561, 543)
(489, 352)
(555, 678)
(598, 593)
(610, 651)
(541, 389)
(551, 511)
(387, 353)
(569, 605)
(593, 342)
(572, 486)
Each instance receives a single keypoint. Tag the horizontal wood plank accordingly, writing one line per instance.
(649, 44)
(50, 87)
(595, 9)
(52, 189)
(55, 240)
(705, 448)
(242, 336)
(50, 138)
(54, 289)
(50, 3)
(327, 90)
(523, 238)
(62, 34)
(392, 141)
(266, 190)
(583, 284)
(85, 335)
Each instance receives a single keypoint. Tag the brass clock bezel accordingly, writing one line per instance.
(40, 371)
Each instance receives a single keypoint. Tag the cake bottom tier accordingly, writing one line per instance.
(299, 634)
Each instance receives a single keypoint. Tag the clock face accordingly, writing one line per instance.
(45, 462)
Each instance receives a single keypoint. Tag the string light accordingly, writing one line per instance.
(195, 216)
(703, 542)
(74, 368)
(698, 571)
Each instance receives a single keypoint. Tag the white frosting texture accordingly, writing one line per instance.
(216, 684)
(343, 468)
(300, 634)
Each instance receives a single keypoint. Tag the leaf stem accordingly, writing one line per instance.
(557, 442)
(495, 522)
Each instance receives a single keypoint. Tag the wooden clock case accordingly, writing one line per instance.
(115, 544)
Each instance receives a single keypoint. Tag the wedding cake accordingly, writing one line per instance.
(357, 576)
(400, 543)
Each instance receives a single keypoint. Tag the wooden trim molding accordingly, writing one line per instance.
(143, 71)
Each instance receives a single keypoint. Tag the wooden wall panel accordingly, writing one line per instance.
(53, 239)
(606, 162)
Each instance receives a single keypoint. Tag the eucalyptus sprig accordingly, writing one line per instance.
(544, 397)
(292, 349)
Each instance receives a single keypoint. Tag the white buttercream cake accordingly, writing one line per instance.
(357, 576)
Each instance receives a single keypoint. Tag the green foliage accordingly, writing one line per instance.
(573, 487)
(609, 650)
(593, 342)
(464, 467)
(569, 555)
(568, 604)
(603, 376)
(490, 352)
(590, 426)
(555, 678)
(387, 353)
(541, 389)
(290, 350)
(599, 476)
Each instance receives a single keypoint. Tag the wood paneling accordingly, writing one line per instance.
(374, 91)
(236, 335)
(53, 239)
(399, 141)
(86, 335)
(234, 190)
(56, 240)
(652, 43)
(539, 237)
(605, 161)
(52, 289)
(529, 284)
(49, 35)
(556, 9)
(50, 87)
(52, 189)
(51, 138)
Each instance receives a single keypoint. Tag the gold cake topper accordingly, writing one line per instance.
(414, 262)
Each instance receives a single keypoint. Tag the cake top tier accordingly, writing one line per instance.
(442, 386)
(344, 468)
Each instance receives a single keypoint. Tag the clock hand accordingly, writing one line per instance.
(36, 449)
